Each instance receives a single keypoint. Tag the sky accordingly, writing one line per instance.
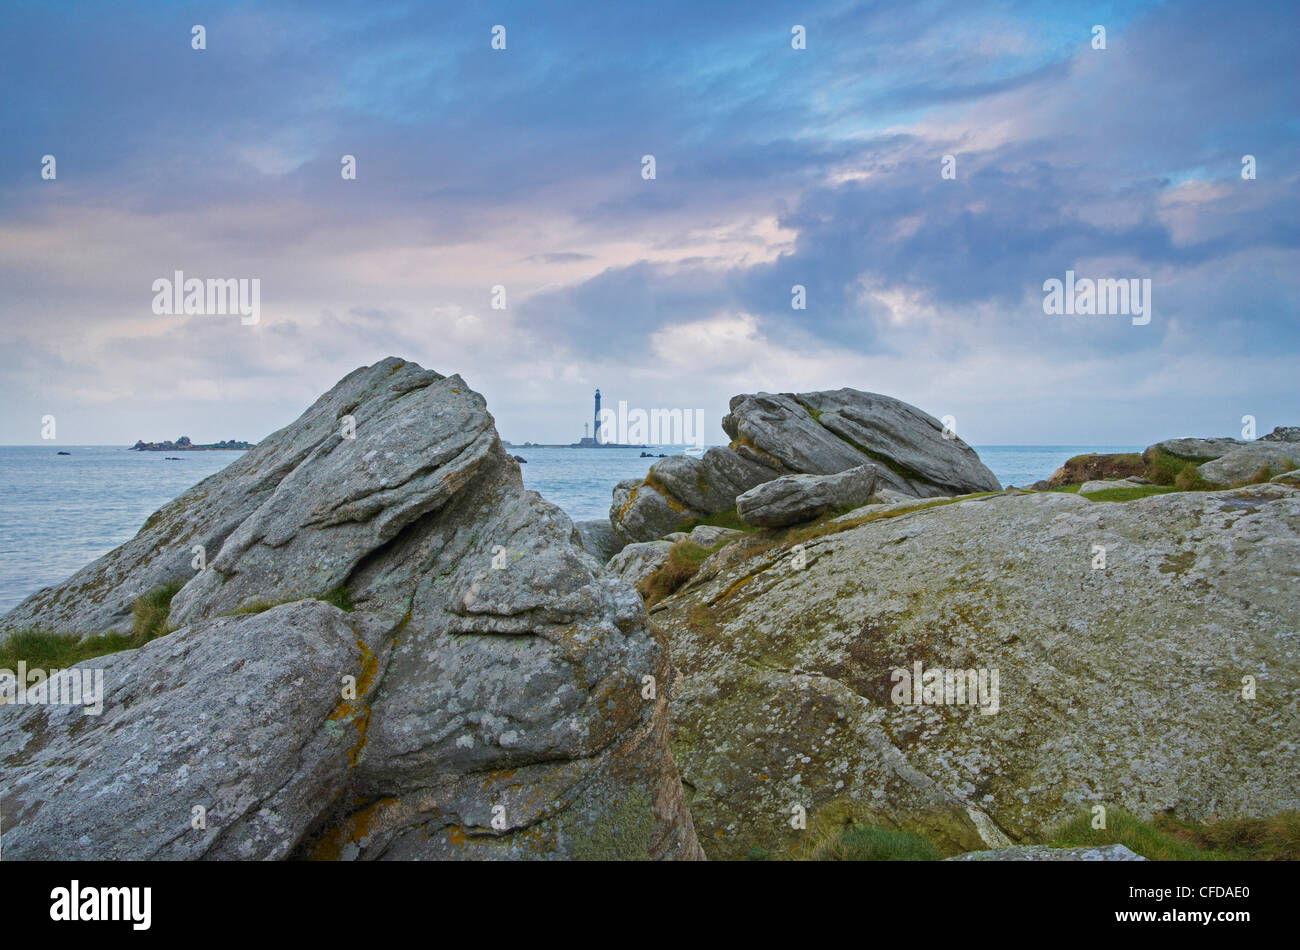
(522, 168)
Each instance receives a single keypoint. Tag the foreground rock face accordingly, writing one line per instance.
(819, 433)
(794, 498)
(210, 717)
(503, 713)
(1120, 686)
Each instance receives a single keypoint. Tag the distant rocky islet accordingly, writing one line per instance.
(183, 444)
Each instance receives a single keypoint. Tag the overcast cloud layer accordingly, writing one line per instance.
(775, 167)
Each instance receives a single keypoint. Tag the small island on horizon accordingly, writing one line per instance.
(183, 444)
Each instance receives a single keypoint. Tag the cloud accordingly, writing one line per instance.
(775, 167)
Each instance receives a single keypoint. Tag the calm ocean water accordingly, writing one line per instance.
(59, 512)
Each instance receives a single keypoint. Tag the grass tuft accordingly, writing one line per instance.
(1276, 838)
(860, 843)
(684, 560)
(340, 597)
(1141, 837)
(1166, 469)
(42, 649)
(1129, 492)
(150, 611)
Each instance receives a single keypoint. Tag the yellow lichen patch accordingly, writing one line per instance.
(357, 711)
(630, 498)
(658, 486)
(737, 586)
(496, 776)
(674, 504)
(354, 829)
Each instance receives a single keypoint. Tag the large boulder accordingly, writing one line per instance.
(819, 433)
(1091, 487)
(1250, 462)
(409, 457)
(1193, 450)
(638, 561)
(510, 717)
(822, 433)
(643, 511)
(681, 489)
(794, 498)
(1163, 681)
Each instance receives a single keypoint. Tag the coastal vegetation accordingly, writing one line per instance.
(1120, 492)
(1164, 468)
(683, 562)
(46, 649)
(723, 519)
(340, 597)
(864, 843)
(1163, 838)
(43, 649)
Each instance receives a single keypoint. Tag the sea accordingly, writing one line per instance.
(60, 512)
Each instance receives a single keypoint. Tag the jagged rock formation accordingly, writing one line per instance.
(819, 433)
(98, 598)
(506, 688)
(1121, 685)
(1282, 434)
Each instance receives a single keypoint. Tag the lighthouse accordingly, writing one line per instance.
(595, 429)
